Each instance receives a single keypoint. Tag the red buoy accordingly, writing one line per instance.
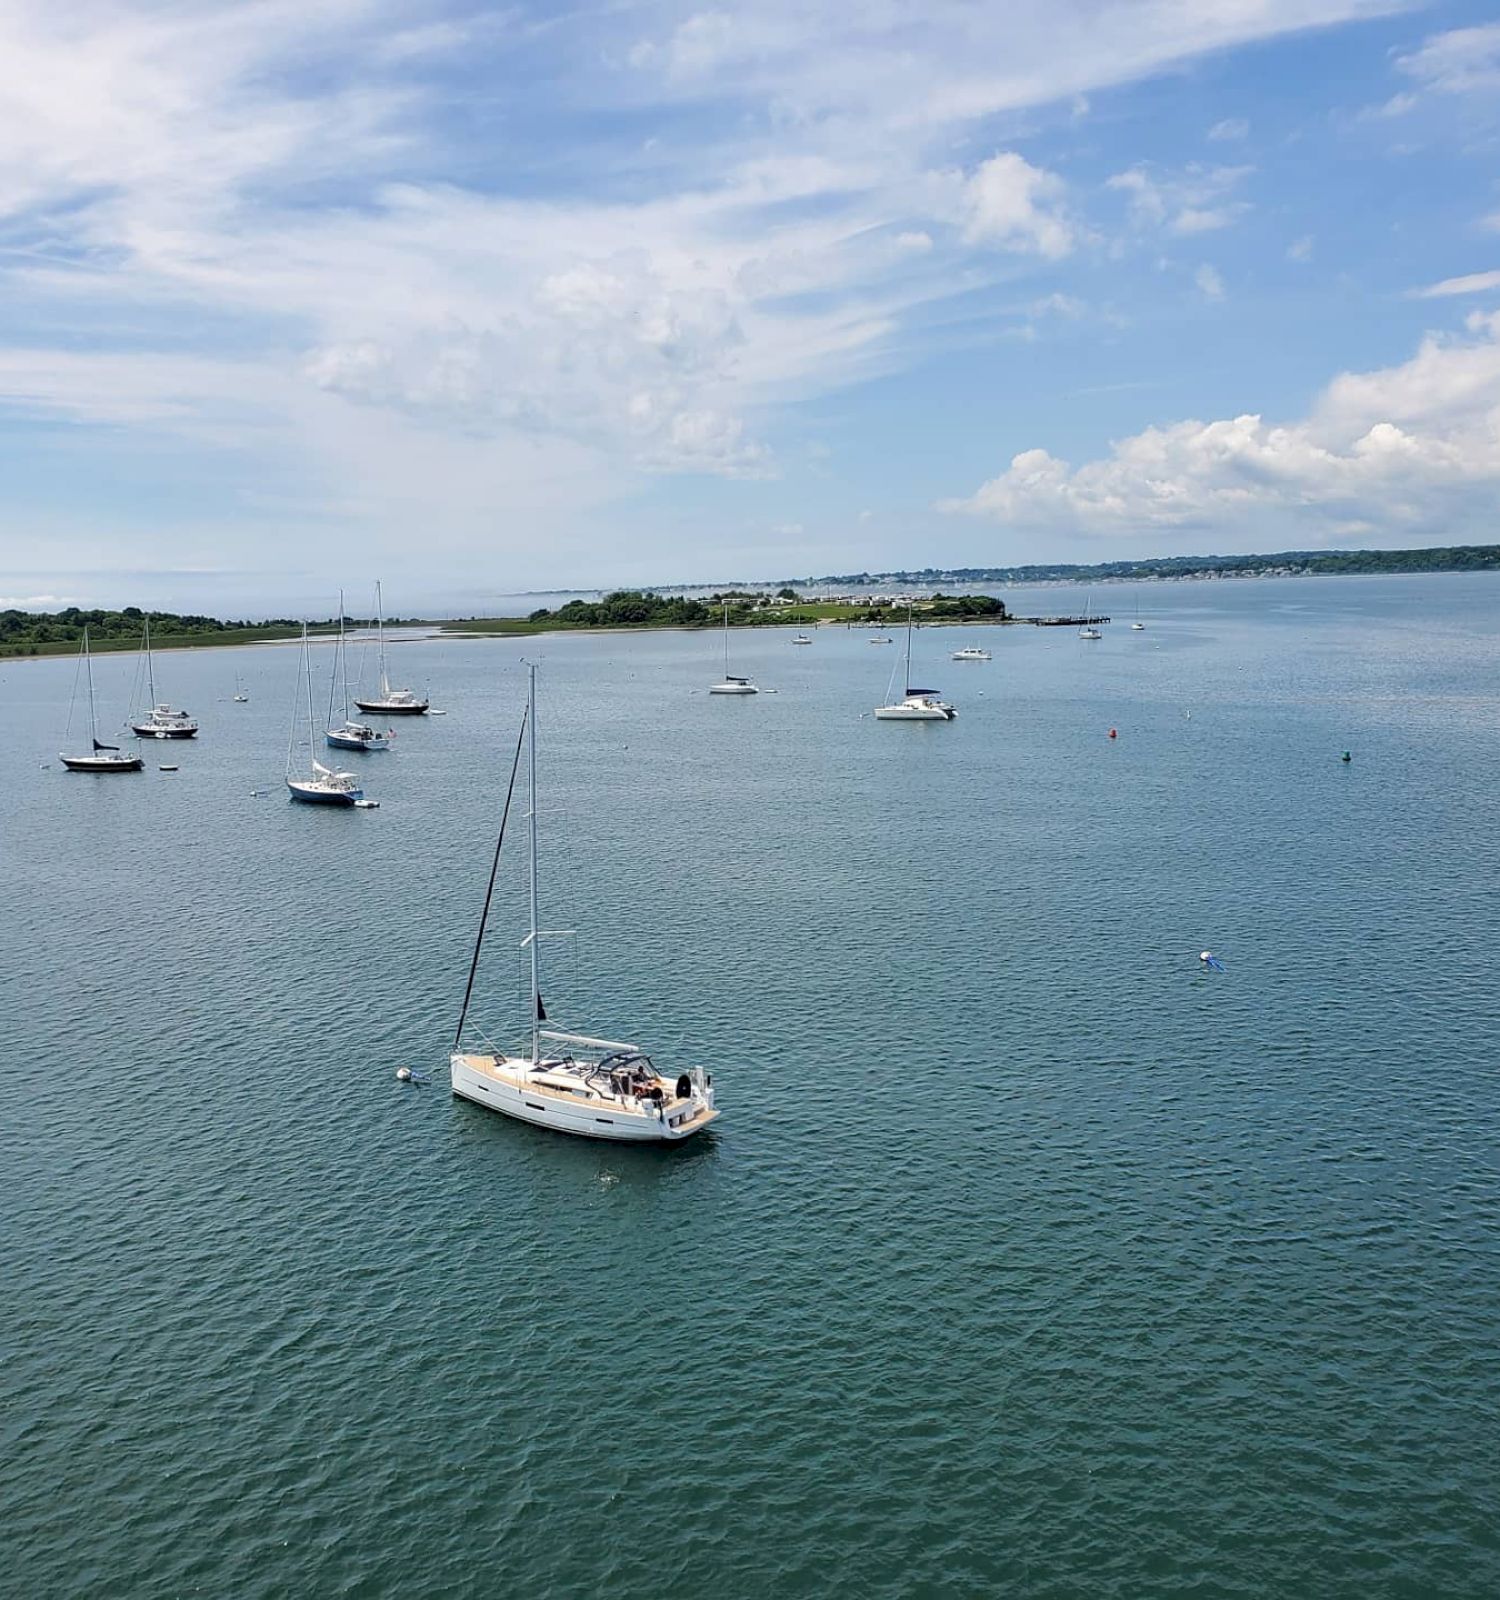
(1111, 733)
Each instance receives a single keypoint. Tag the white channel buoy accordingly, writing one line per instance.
(403, 1074)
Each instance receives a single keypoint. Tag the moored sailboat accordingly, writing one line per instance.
(917, 705)
(571, 1082)
(349, 735)
(322, 786)
(101, 757)
(392, 702)
(161, 721)
(730, 683)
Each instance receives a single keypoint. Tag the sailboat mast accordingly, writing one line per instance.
(150, 675)
(726, 640)
(385, 682)
(536, 991)
(88, 662)
(908, 646)
(307, 662)
(343, 658)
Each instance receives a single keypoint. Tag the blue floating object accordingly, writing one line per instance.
(1209, 959)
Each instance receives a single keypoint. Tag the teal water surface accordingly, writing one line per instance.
(1027, 1258)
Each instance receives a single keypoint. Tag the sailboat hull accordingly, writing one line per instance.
(312, 794)
(102, 763)
(732, 688)
(144, 730)
(394, 708)
(492, 1082)
(914, 714)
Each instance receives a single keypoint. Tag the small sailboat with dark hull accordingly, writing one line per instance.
(349, 735)
(391, 702)
(161, 720)
(322, 786)
(101, 757)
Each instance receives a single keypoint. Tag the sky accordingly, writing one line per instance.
(487, 300)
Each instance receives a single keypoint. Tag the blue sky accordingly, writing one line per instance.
(489, 300)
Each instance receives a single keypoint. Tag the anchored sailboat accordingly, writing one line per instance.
(350, 735)
(1088, 630)
(610, 1090)
(392, 702)
(102, 757)
(322, 787)
(919, 705)
(731, 684)
(161, 722)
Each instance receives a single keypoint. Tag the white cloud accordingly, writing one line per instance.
(1231, 128)
(382, 303)
(1300, 249)
(1461, 61)
(1015, 205)
(1407, 451)
(1210, 284)
(1197, 199)
(1472, 283)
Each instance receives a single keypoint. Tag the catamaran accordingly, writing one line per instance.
(731, 684)
(392, 702)
(918, 705)
(322, 787)
(571, 1082)
(161, 721)
(349, 735)
(102, 757)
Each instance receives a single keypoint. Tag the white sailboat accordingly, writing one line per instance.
(349, 735)
(101, 757)
(918, 705)
(322, 787)
(161, 721)
(1137, 626)
(240, 697)
(392, 702)
(572, 1083)
(1088, 630)
(731, 684)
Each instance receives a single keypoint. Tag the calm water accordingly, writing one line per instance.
(1027, 1258)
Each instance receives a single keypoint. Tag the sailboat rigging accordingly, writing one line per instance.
(917, 705)
(611, 1090)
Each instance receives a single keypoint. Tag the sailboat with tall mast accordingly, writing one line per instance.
(1088, 630)
(570, 1082)
(350, 735)
(731, 684)
(321, 787)
(392, 702)
(101, 757)
(917, 705)
(161, 721)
